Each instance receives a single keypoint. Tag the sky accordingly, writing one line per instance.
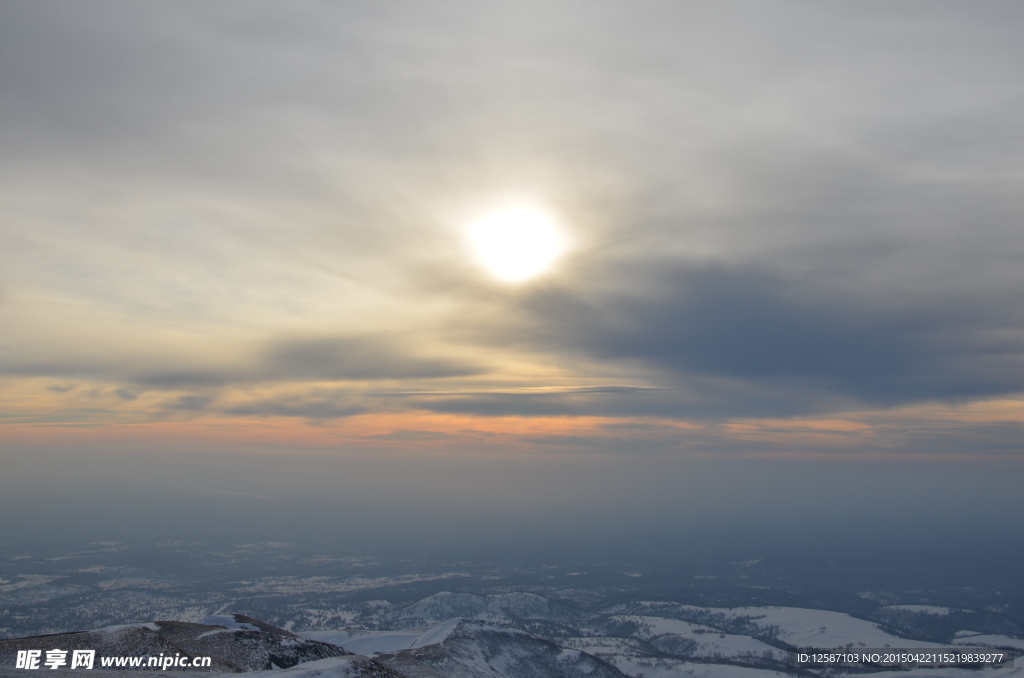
(237, 271)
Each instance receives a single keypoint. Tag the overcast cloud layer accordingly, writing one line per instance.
(252, 209)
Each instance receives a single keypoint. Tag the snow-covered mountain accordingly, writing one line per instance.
(677, 637)
(234, 643)
(526, 610)
(350, 666)
(791, 626)
(462, 648)
(511, 635)
(639, 639)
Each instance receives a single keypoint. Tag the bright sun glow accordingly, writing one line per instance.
(516, 243)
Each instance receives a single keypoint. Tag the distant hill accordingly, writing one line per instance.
(526, 610)
(462, 648)
(235, 644)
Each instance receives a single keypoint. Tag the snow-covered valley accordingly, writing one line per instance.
(310, 615)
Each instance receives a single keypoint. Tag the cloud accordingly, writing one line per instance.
(758, 233)
(357, 358)
(583, 401)
(588, 442)
(377, 357)
(187, 378)
(190, 403)
(765, 328)
(315, 407)
(408, 435)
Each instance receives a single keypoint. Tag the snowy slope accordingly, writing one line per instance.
(508, 607)
(639, 667)
(820, 628)
(351, 666)
(799, 627)
(367, 642)
(641, 660)
(479, 649)
(373, 642)
(990, 640)
(251, 645)
(696, 640)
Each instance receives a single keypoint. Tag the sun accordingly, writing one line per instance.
(517, 242)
